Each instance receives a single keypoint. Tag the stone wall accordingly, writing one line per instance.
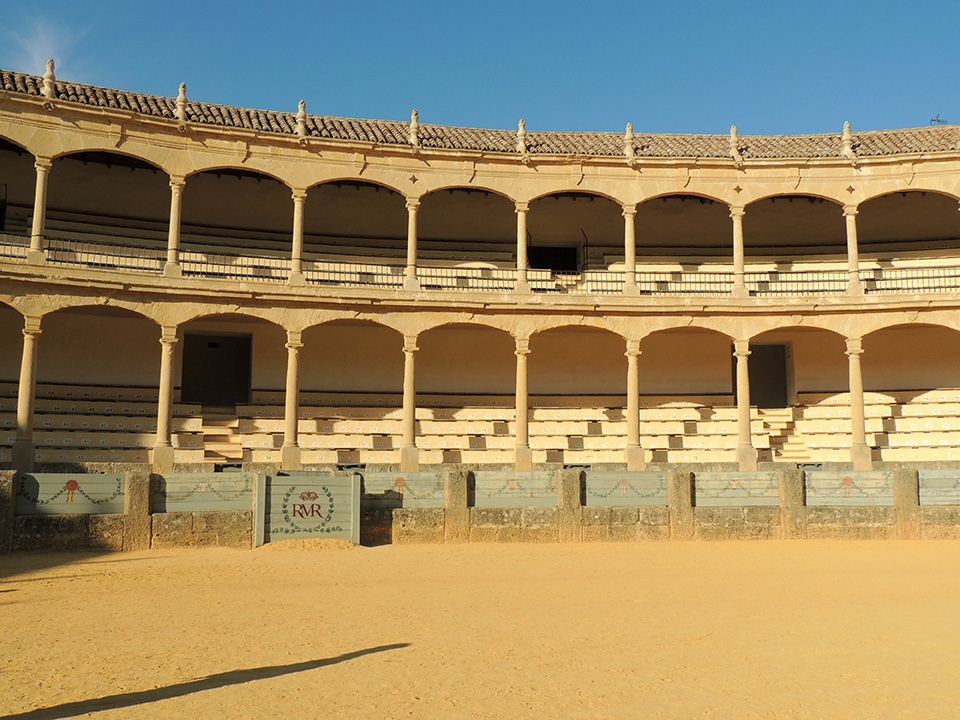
(222, 528)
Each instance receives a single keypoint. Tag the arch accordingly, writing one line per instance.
(488, 323)
(247, 313)
(236, 168)
(460, 186)
(911, 189)
(561, 363)
(674, 324)
(355, 179)
(684, 193)
(469, 357)
(109, 150)
(788, 226)
(911, 356)
(913, 220)
(111, 310)
(351, 354)
(10, 141)
(576, 191)
(351, 319)
(683, 360)
(680, 227)
(904, 324)
(809, 323)
(591, 323)
(780, 194)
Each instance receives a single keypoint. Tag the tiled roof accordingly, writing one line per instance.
(874, 143)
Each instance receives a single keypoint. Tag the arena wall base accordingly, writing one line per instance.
(7, 508)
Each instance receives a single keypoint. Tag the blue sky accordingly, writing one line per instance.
(768, 67)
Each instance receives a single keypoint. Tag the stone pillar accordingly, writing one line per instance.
(296, 250)
(861, 456)
(162, 448)
(172, 268)
(523, 457)
(23, 448)
(411, 282)
(37, 254)
(746, 454)
(137, 525)
(739, 287)
(522, 284)
(793, 510)
(854, 286)
(570, 498)
(634, 458)
(680, 504)
(290, 450)
(409, 455)
(906, 499)
(8, 492)
(630, 250)
(456, 527)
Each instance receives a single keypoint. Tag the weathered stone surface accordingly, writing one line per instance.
(680, 502)
(940, 523)
(496, 524)
(864, 523)
(107, 531)
(737, 523)
(570, 500)
(171, 530)
(653, 523)
(376, 526)
(540, 524)
(456, 505)
(51, 532)
(906, 499)
(793, 510)
(136, 509)
(418, 525)
(225, 528)
(7, 504)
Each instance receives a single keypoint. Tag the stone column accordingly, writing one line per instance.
(290, 451)
(456, 501)
(23, 448)
(570, 500)
(746, 454)
(411, 282)
(172, 268)
(522, 284)
(296, 251)
(523, 457)
(739, 287)
(630, 250)
(409, 455)
(854, 286)
(163, 448)
(635, 459)
(680, 505)
(861, 456)
(37, 254)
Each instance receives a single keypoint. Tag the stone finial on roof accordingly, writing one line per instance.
(848, 152)
(414, 136)
(49, 80)
(735, 147)
(182, 103)
(302, 119)
(522, 141)
(628, 146)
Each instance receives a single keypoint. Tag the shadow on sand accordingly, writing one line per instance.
(211, 682)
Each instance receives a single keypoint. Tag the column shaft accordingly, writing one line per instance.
(173, 232)
(290, 451)
(860, 454)
(634, 452)
(630, 249)
(746, 455)
(38, 243)
(739, 287)
(854, 286)
(411, 282)
(23, 448)
(296, 251)
(522, 284)
(409, 456)
(163, 446)
(523, 458)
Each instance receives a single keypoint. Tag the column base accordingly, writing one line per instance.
(172, 270)
(409, 459)
(296, 279)
(740, 291)
(855, 288)
(523, 458)
(290, 457)
(631, 290)
(23, 456)
(747, 458)
(36, 257)
(635, 459)
(861, 456)
(411, 283)
(522, 286)
(162, 459)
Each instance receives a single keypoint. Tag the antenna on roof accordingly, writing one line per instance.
(415, 129)
(182, 103)
(935, 120)
(49, 88)
(302, 119)
(848, 145)
(735, 147)
(628, 145)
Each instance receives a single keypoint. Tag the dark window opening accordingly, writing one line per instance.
(216, 370)
(768, 376)
(559, 260)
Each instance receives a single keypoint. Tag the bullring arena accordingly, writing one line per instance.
(232, 329)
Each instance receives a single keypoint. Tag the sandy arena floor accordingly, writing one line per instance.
(673, 630)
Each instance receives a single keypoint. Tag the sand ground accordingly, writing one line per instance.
(674, 630)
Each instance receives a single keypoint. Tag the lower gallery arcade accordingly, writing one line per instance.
(104, 383)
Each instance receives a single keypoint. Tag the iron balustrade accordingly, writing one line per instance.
(796, 282)
(245, 267)
(685, 283)
(467, 278)
(14, 246)
(322, 272)
(99, 255)
(899, 280)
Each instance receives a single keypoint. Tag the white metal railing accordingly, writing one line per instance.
(354, 274)
(246, 267)
(466, 278)
(910, 280)
(100, 255)
(14, 246)
(684, 283)
(801, 282)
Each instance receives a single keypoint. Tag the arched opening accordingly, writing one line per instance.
(18, 180)
(674, 231)
(909, 224)
(577, 378)
(787, 229)
(572, 232)
(467, 227)
(103, 206)
(11, 349)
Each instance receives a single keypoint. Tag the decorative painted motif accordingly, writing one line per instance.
(394, 490)
(736, 489)
(311, 515)
(826, 487)
(940, 487)
(514, 489)
(73, 494)
(309, 506)
(195, 492)
(602, 487)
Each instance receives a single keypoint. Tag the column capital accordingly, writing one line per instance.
(854, 347)
(629, 210)
(737, 211)
(168, 335)
(413, 204)
(521, 207)
(633, 348)
(43, 163)
(299, 195)
(31, 325)
(410, 344)
(177, 182)
(850, 210)
(741, 348)
(522, 346)
(294, 341)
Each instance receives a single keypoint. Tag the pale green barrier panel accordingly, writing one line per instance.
(200, 492)
(940, 487)
(302, 507)
(514, 488)
(396, 490)
(869, 488)
(70, 494)
(605, 487)
(736, 489)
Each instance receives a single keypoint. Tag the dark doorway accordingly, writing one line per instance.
(216, 370)
(768, 376)
(559, 260)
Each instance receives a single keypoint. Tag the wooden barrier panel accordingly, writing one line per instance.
(602, 487)
(736, 489)
(940, 487)
(196, 492)
(514, 488)
(874, 488)
(307, 505)
(396, 490)
(70, 494)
